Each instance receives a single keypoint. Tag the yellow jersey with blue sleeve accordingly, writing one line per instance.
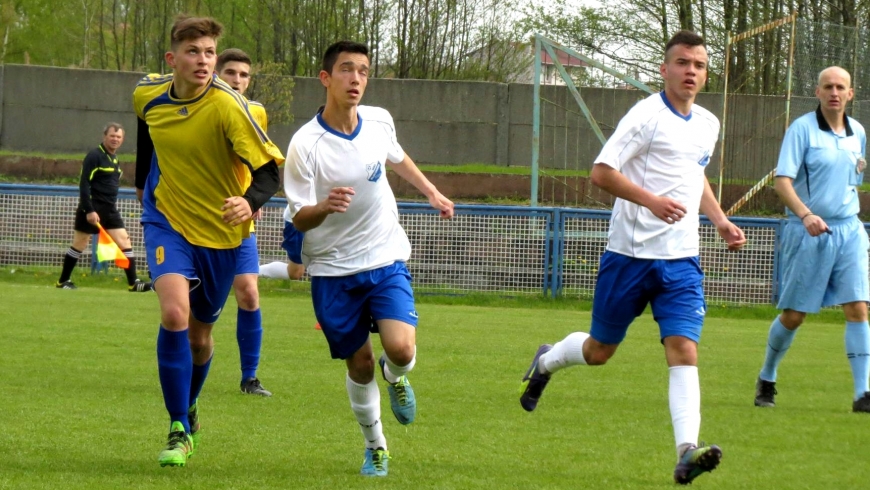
(204, 151)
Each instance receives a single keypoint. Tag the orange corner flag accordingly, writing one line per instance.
(107, 249)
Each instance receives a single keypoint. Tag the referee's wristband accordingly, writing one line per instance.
(806, 216)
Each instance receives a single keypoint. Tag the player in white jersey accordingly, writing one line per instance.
(654, 164)
(354, 247)
(824, 245)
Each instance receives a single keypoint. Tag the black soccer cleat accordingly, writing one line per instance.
(534, 382)
(252, 386)
(65, 285)
(862, 404)
(765, 391)
(140, 287)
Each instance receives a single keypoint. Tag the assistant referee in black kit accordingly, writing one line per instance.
(98, 196)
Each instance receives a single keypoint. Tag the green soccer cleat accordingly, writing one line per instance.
(179, 447)
(193, 421)
(402, 399)
(375, 462)
(696, 461)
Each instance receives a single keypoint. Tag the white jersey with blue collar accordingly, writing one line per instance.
(368, 235)
(824, 165)
(666, 153)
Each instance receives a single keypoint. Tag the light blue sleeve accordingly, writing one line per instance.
(793, 150)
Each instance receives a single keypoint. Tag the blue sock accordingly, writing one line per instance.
(174, 365)
(858, 352)
(778, 341)
(249, 333)
(197, 379)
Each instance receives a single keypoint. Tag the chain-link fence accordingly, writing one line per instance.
(780, 61)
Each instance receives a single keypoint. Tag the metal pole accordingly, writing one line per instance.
(790, 69)
(724, 117)
(536, 122)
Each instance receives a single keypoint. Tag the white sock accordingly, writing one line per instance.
(393, 372)
(274, 270)
(684, 397)
(365, 401)
(568, 352)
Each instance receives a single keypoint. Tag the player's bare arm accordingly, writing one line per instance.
(310, 217)
(408, 170)
(784, 187)
(731, 233)
(611, 180)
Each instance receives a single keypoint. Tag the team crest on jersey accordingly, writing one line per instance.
(182, 111)
(705, 158)
(374, 171)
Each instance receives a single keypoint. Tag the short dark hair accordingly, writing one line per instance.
(332, 52)
(186, 28)
(685, 38)
(112, 125)
(232, 54)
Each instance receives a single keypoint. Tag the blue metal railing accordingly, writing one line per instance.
(556, 248)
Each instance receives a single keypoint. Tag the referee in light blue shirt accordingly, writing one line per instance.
(824, 245)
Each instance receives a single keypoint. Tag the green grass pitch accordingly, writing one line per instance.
(81, 405)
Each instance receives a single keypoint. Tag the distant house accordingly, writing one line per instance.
(518, 59)
(549, 73)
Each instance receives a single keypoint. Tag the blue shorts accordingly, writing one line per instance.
(292, 243)
(626, 285)
(347, 307)
(825, 270)
(210, 271)
(248, 261)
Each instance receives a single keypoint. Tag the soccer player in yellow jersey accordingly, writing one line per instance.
(234, 68)
(196, 211)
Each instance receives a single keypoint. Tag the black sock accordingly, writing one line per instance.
(70, 259)
(130, 271)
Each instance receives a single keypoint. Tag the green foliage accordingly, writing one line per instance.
(85, 398)
(422, 39)
(271, 87)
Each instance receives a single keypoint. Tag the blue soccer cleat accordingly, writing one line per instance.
(375, 462)
(402, 399)
(695, 462)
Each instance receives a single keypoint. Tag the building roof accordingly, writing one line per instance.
(564, 58)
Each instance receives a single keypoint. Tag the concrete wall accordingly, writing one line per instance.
(63, 110)
(60, 110)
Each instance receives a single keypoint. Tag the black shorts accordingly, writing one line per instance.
(110, 219)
